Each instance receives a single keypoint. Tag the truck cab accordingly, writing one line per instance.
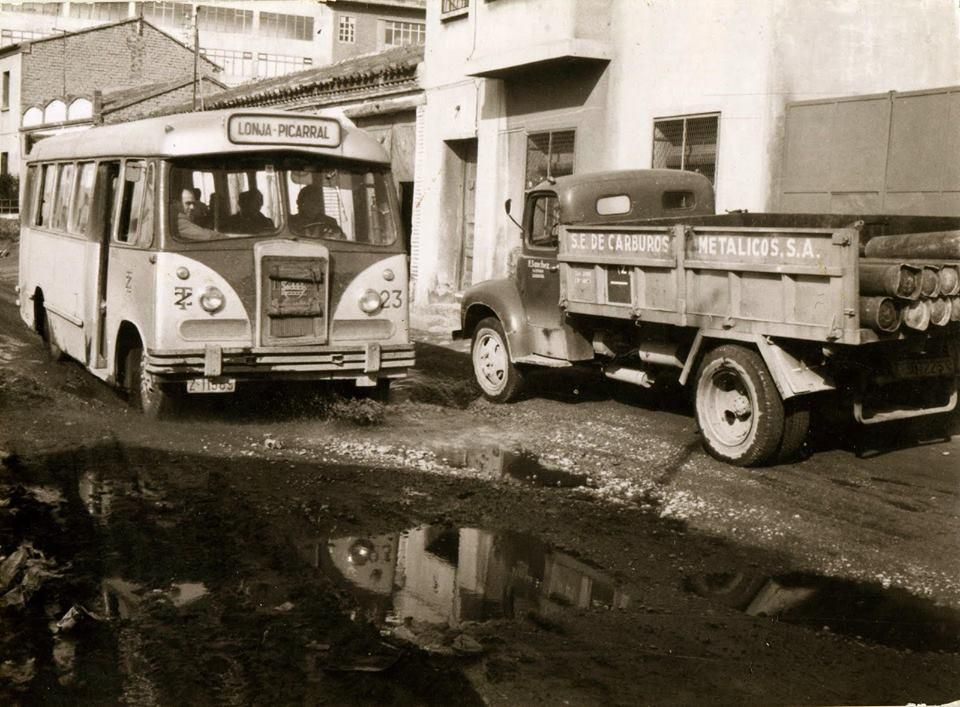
(528, 306)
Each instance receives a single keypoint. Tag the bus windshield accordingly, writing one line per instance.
(234, 198)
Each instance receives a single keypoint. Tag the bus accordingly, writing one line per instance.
(187, 254)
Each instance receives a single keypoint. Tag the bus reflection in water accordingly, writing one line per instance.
(187, 253)
(446, 576)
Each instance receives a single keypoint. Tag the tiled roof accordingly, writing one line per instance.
(391, 67)
(115, 100)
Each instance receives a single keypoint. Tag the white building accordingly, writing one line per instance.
(517, 90)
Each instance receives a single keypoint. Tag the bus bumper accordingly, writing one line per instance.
(303, 363)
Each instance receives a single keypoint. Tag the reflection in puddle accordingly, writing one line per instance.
(891, 617)
(506, 463)
(437, 577)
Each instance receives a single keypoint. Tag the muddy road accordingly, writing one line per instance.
(289, 547)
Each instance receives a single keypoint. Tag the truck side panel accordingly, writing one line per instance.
(798, 283)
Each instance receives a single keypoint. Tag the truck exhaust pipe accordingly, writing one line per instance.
(628, 375)
(891, 279)
(879, 313)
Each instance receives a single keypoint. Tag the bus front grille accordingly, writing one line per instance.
(293, 301)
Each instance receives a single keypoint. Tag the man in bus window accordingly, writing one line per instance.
(201, 213)
(310, 219)
(187, 225)
(249, 219)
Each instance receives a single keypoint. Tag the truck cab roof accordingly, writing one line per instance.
(630, 195)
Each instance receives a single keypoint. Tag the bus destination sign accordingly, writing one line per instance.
(253, 129)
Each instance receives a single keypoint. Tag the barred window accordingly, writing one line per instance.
(347, 29)
(224, 19)
(453, 6)
(687, 142)
(275, 24)
(107, 11)
(398, 34)
(171, 14)
(549, 154)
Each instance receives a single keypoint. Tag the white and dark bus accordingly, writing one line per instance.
(189, 253)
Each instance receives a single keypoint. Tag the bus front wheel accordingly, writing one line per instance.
(146, 393)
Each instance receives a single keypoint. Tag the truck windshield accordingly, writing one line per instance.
(242, 197)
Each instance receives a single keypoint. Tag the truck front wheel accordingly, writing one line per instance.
(499, 379)
(738, 407)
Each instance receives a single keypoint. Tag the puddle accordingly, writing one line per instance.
(500, 462)
(426, 584)
(890, 617)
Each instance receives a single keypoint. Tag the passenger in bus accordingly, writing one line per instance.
(187, 224)
(201, 212)
(249, 219)
(310, 219)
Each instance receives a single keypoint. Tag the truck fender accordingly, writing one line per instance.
(501, 299)
(793, 372)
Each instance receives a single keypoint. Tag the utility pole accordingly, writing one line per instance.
(196, 55)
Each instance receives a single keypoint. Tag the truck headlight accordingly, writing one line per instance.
(370, 302)
(212, 300)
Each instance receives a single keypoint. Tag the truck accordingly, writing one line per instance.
(762, 317)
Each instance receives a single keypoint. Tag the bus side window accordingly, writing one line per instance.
(28, 207)
(108, 174)
(48, 183)
(82, 198)
(61, 206)
(131, 199)
(145, 237)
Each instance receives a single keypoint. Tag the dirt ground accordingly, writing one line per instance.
(578, 547)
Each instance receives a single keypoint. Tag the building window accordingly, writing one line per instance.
(6, 91)
(398, 34)
(108, 11)
(549, 154)
(242, 65)
(347, 29)
(32, 8)
(687, 142)
(448, 6)
(4, 156)
(274, 24)
(224, 19)
(170, 14)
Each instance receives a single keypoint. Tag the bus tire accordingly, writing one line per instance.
(145, 391)
(499, 379)
(54, 352)
(738, 407)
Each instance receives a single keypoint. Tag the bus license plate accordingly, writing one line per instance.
(206, 385)
(920, 368)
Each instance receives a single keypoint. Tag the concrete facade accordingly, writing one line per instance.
(608, 70)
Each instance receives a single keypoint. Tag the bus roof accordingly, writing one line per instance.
(206, 133)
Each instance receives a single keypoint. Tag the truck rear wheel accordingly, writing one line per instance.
(738, 407)
(498, 377)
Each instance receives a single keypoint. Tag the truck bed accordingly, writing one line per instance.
(781, 275)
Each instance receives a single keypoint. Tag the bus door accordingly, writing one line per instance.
(108, 175)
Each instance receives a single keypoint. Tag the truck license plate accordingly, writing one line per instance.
(211, 385)
(924, 368)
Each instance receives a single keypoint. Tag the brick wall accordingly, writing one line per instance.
(111, 58)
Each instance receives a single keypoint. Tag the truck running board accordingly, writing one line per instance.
(538, 360)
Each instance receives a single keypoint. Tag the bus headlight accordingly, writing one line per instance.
(370, 302)
(212, 300)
